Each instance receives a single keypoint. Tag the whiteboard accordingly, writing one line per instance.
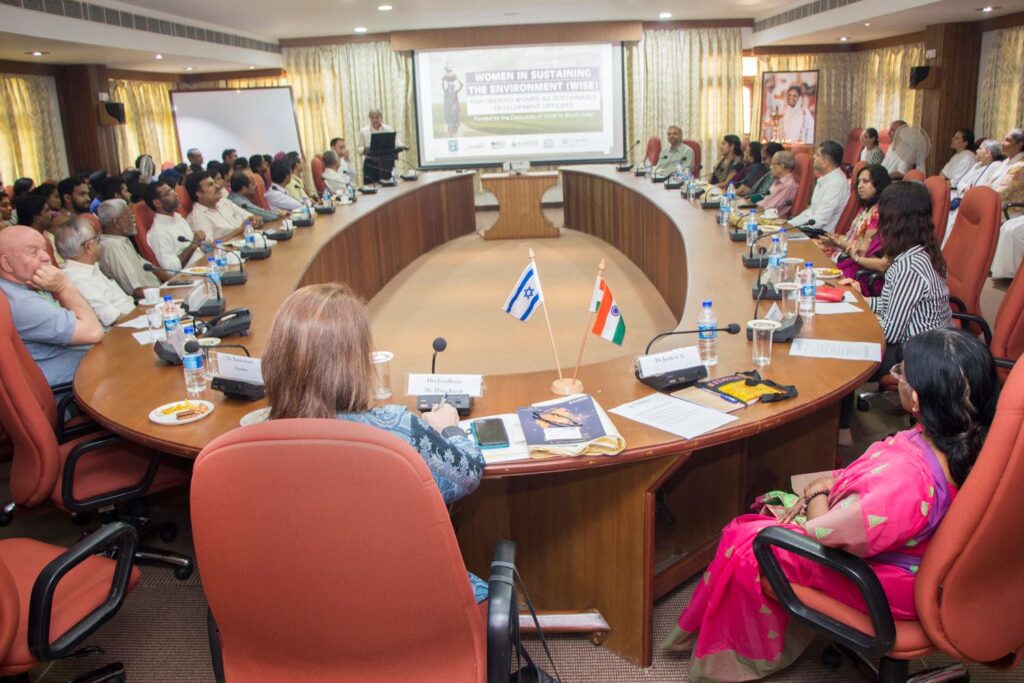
(250, 120)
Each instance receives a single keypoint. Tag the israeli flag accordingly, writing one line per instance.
(526, 294)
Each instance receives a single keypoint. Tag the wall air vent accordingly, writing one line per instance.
(87, 11)
(801, 12)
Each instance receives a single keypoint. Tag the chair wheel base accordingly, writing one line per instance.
(7, 514)
(862, 405)
(182, 573)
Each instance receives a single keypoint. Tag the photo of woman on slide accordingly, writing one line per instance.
(451, 85)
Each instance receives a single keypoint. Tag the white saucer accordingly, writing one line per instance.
(255, 417)
(156, 415)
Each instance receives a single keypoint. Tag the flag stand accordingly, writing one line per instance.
(576, 385)
(561, 386)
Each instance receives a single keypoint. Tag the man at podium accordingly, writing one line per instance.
(377, 163)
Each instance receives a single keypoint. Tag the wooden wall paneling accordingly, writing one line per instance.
(400, 236)
(28, 68)
(945, 108)
(518, 34)
(996, 23)
(130, 75)
(457, 210)
(89, 145)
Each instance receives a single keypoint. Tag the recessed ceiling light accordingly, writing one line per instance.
(867, 23)
(385, 8)
(159, 56)
(360, 29)
(37, 53)
(188, 68)
(843, 39)
(988, 8)
(665, 15)
(251, 67)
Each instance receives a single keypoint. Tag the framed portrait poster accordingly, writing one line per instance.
(789, 106)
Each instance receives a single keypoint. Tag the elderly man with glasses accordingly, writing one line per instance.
(119, 260)
(80, 247)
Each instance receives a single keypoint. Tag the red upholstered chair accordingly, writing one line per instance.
(914, 175)
(968, 591)
(9, 189)
(184, 201)
(261, 190)
(695, 146)
(143, 222)
(883, 139)
(805, 183)
(53, 598)
(361, 580)
(852, 150)
(970, 248)
(316, 166)
(167, 166)
(68, 463)
(852, 204)
(653, 151)
(1005, 339)
(938, 188)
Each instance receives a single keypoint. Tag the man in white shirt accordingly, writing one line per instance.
(213, 214)
(831, 192)
(168, 226)
(374, 170)
(334, 178)
(908, 148)
(118, 258)
(797, 122)
(79, 246)
(276, 195)
(339, 147)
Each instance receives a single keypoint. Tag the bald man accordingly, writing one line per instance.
(54, 321)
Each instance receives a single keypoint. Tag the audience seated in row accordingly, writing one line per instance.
(730, 149)
(831, 191)
(870, 151)
(277, 196)
(964, 158)
(167, 227)
(80, 247)
(119, 259)
(861, 247)
(908, 148)
(213, 214)
(783, 188)
(676, 155)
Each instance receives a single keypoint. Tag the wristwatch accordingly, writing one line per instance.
(452, 431)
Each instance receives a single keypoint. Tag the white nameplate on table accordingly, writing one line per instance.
(826, 308)
(428, 385)
(673, 415)
(196, 297)
(830, 348)
(241, 368)
(668, 361)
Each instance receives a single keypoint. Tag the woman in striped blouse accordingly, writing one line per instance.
(915, 297)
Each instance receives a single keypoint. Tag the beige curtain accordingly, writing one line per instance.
(855, 89)
(149, 127)
(31, 136)
(272, 82)
(1001, 104)
(690, 78)
(337, 85)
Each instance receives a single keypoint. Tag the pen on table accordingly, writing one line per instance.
(444, 399)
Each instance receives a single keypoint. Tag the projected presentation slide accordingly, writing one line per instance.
(541, 104)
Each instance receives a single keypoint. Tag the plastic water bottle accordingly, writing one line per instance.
(808, 290)
(752, 228)
(730, 195)
(326, 199)
(687, 175)
(774, 261)
(171, 319)
(192, 363)
(707, 335)
(723, 212)
(220, 255)
(306, 213)
(211, 284)
(250, 235)
(783, 243)
(691, 190)
(647, 168)
(351, 191)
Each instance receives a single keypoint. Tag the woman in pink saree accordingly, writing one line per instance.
(884, 507)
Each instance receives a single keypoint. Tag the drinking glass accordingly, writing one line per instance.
(382, 368)
(762, 348)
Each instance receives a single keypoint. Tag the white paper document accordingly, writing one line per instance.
(516, 449)
(829, 348)
(145, 337)
(673, 415)
(825, 308)
(139, 323)
(431, 385)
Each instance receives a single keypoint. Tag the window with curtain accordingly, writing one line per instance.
(31, 137)
(149, 127)
(1000, 95)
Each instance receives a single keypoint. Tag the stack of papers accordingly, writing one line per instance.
(673, 415)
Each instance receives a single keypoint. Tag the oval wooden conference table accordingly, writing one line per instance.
(608, 534)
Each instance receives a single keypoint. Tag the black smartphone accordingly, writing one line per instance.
(490, 433)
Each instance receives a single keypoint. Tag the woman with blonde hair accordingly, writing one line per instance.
(317, 363)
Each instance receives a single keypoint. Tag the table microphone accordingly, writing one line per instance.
(463, 403)
(763, 290)
(216, 307)
(410, 174)
(682, 377)
(625, 165)
(228, 277)
(789, 328)
(760, 261)
(232, 388)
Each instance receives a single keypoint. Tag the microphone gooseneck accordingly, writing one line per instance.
(440, 344)
(731, 328)
(149, 268)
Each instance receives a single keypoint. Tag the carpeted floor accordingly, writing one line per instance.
(160, 633)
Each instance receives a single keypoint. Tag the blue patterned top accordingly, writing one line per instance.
(456, 463)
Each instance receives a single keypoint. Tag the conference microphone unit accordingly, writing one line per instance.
(625, 165)
(228, 277)
(463, 403)
(282, 234)
(811, 231)
(410, 173)
(257, 253)
(676, 378)
(764, 290)
(209, 306)
(237, 389)
(788, 328)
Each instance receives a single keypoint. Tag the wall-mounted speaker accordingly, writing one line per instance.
(922, 77)
(111, 113)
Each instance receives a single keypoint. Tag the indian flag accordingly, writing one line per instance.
(608, 323)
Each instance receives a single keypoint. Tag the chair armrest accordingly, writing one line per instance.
(957, 304)
(65, 405)
(1005, 363)
(986, 331)
(1011, 205)
(45, 587)
(502, 612)
(850, 566)
(110, 497)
